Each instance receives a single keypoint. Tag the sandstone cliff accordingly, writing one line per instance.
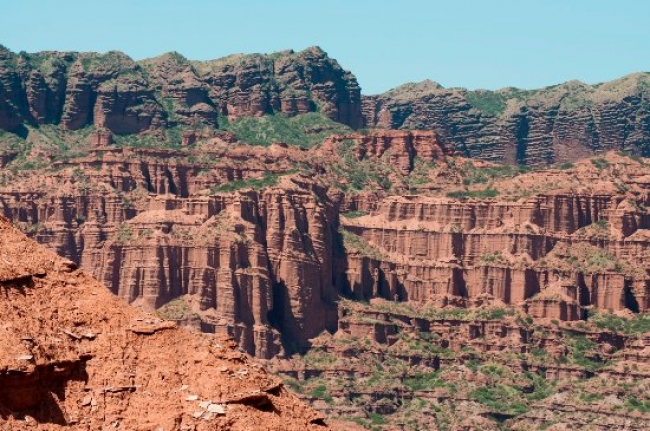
(169, 93)
(264, 243)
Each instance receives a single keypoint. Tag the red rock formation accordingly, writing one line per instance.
(245, 258)
(446, 357)
(259, 264)
(125, 107)
(101, 139)
(475, 252)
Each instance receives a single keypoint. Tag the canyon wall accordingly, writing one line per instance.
(518, 253)
(268, 264)
(251, 262)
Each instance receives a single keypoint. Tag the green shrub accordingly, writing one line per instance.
(319, 391)
(639, 324)
(376, 419)
(305, 130)
(634, 403)
(354, 213)
(500, 399)
(464, 194)
(582, 352)
(600, 163)
(124, 233)
(424, 381)
(354, 243)
(175, 309)
(495, 313)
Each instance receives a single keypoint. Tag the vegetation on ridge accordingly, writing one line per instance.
(304, 130)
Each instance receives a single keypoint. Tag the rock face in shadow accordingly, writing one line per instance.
(73, 356)
(532, 127)
(127, 97)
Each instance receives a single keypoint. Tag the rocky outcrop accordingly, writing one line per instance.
(126, 97)
(400, 147)
(473, 253)
(75, 357)
(540, 127)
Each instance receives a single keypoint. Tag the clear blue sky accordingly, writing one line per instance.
(468, 43)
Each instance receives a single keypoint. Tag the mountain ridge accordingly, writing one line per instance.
(166, 94)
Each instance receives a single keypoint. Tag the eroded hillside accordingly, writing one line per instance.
(73, 356)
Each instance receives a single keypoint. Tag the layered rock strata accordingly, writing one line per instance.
(539, 127)
(267, 266)
(414, 365)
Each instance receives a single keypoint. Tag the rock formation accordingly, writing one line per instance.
(125, 169)
(408, 365)
(76, 357)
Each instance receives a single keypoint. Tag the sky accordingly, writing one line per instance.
(474, 44)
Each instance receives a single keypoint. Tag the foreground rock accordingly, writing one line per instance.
(73, 356)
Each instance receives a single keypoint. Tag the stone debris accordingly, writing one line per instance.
(216, 408)
(152, 328)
